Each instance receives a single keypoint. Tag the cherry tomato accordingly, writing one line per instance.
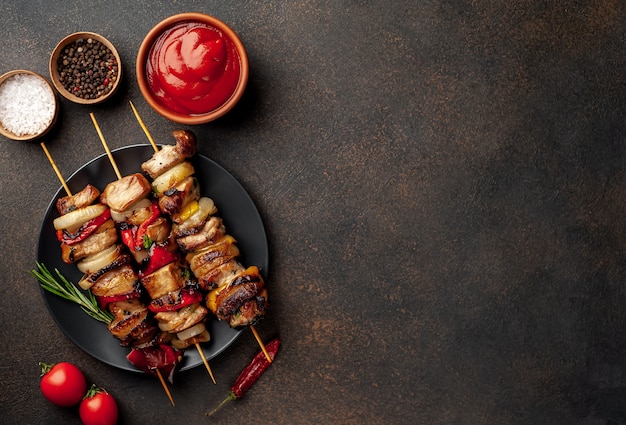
(63, 383)
(98, 408)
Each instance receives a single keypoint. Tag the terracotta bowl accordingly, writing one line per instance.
(19, 105)
(172, 113)
(111, 81)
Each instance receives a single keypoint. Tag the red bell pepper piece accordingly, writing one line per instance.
(128, 237)
(159, 256)
(186, 296)
(163, 358)
(132, 236)
(104, 301)
(143, 227)
(85, 230)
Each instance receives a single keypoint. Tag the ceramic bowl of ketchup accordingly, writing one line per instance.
(192, 68)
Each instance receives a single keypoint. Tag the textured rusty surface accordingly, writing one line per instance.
(443, 188)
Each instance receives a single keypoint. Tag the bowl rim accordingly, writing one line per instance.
(54, 72)
(144, 50)
(28, 137)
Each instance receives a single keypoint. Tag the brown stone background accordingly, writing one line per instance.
(443, 189)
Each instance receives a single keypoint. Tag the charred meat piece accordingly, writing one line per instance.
(174, 300)
(220, 275)
(251, 311)
(121, 194)
(131, 322)
(175, 198)
(81, 199)
(105, 236)
(179, 320)
(116, 282)
(203, 262)
(212, 230)
(163, 281)
(241, 290)
(171, 155)
(89, 279)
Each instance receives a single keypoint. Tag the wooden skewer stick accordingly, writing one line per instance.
(260, 341)
(56, 169)
(106, 146)
(143, 127)
(206, 363)
(119, 176)
(164, 384)
(154, 146)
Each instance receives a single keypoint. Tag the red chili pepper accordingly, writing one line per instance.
(85, 230)
(250, 374)
(159, 257)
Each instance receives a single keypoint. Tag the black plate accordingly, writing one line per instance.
(241, 218)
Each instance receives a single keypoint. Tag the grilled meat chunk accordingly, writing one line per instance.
(121, 194)
(220, 275)
(212, 230)
(251, 311)
(177, 321)
(131, 325)
(242, 295)
(159, 230)
(81, 199)
(105, 236)
(119, 281)
(163, 281)
(171, 155)
(90, 278)
(213, 256)
(175, 198)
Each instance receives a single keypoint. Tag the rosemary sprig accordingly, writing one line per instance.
(66, 289)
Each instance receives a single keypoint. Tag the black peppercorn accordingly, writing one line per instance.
(87, 64)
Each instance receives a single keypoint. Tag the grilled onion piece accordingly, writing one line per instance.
(74, 219)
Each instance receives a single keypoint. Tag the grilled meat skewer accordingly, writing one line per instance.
(87, 239)
(235, 294)
(174, 293)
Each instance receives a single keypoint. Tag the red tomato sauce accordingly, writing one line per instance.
(193, 68)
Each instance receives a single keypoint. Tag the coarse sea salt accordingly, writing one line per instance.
(27, 104)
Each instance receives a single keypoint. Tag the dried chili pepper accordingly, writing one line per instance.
(250, 374)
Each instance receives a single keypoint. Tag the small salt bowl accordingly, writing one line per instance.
(28, 105)
(92, 57)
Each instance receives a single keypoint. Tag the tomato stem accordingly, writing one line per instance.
(45, 368)
(92, 391)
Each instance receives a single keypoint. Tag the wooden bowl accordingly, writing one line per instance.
(19, 105)
(112, 81)
(145, 81)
